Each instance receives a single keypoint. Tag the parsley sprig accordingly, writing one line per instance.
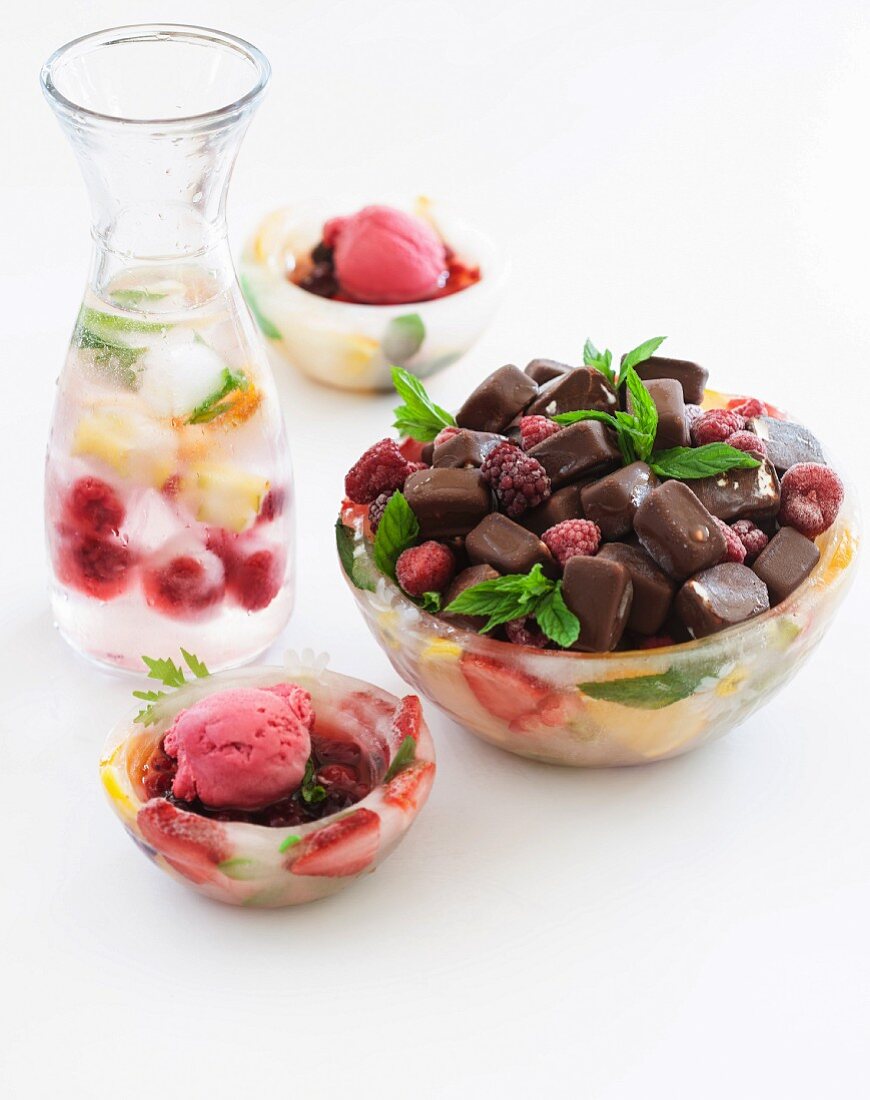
(517, 595)
(168, 673)
(419, 417)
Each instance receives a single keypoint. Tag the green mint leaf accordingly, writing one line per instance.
(135, 297)
(503, 598)
(651, 692)
(640, 354)
(196, 666)
(311, 791)
(110, 325)
(265, 325)
(557, 621)
(358, 568)
(419, 417)
(397, 531)
(644, 414)
(601, 361)
(289, 842)
(165, 670)
(688, 463)
(211, 406)
(403, 338)
(405, 755)
(585, 414)
(431, 602)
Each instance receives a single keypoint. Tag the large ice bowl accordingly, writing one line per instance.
(270, 867)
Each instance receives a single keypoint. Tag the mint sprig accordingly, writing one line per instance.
(309, 790)
(635, 430)
(214, 405)
(600, 360)
(168, 673)
(637, 355)
(397, 530)
(517, 595)
(405, 755)
(419, 417)
(689, 463)
(431, 602)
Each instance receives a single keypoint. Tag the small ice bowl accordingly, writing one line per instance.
(256, 865)
(353, 346)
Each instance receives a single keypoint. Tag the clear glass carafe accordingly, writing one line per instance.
(169, 497)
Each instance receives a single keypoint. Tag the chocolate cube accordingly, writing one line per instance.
(447, 502)
(673, 428)
(563, 504)
(786, 561)
(507, 547)
(740, 493)
(691, 376)
(677, 531)
(599, 592)
(653, 589)
(468, 578)
(720, 597)
(787, 443)
(497, 400)
(576, 451)
(544, 370)
(465, 449)
(612, 500)
(580, 388)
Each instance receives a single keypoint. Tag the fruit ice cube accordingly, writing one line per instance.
(178, 377)
(133, 445)
(151, 520)
(223, 494)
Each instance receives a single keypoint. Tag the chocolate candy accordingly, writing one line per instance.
(507, 547)
(653, 589)
(740, 493)
(580, 388)
(677, 531)
(673, 428)
(599, 592)
(563, 504)
(447, 502)
(576, 451)
(691, 376)
(719, 597)
(786, 561)
(468, 578)
(612, 501)
(544, 370)
(497, 400)
(787, 443)
(465, 448)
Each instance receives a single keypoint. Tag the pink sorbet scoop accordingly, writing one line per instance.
(384, 257)
(243, 748)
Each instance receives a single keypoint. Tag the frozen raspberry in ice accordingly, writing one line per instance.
(184, 580)
(98, 567)
(92, 507)
(811, 495)
(255, 578)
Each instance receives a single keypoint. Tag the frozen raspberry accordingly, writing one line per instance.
(518, 480)
(383, 468)
(748, 407)
(811, 495)
(272, 506)
(693, 413)
(255, 579)
(377, 509)
(535, 429)
(428, 567)
(99, 567)
(445, 434)
(715, 426)
(572, 537)
(526, 632)
(188, 586)
(413, 467)
(171, 487)
(93, 507)
(749, 442)
(734, 549)
(753, 538)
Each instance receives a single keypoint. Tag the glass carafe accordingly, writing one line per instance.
(169, 497)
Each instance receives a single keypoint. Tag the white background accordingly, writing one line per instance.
(696, 928)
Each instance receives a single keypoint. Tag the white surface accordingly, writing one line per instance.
(693, 929)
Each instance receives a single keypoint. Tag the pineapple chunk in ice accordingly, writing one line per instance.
(178, 377)
(224, 495)
(132, 444)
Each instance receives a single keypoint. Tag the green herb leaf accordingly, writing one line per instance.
(266, 326)
(640, 354)
(403, 338)
(289, 842)
(211, 408)
(111, 357)
(109, 325)
(165, 670)
(601, 361)
(688, 463)
(239, 868)
(135, 297)
(431, 602)
(419, 417)
(651, 692)
(169, 674)
(586, 414)
(405, 755)
(196, 666)
(503, 598)
(557, 621)
(397, 531)
(644, 414)
(311, 791)
(146, 715)
(357, 567)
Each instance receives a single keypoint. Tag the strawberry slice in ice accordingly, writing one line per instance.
(504, 691)
(193, 845)
(406, 721)
(345, 847)
(410, 788)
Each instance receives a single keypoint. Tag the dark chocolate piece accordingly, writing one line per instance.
(465, 448)
(545, 370)
(447, 502)
(468, 578)
(720, 597)
(786, 561)
(677, 531)
(740, 493)
(599, 592)
(507, 547)
(497, 400)
(653, 589)
(691, 376)
(787, 443)
(580, 388)
(612, 501)
(673, 428)
(563, 504)
(576, 451)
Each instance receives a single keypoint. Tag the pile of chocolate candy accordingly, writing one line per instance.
(595, 508)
